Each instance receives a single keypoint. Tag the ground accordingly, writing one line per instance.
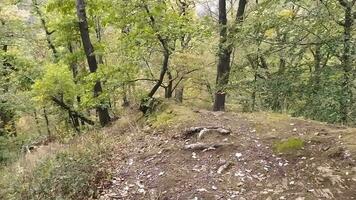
(150, 162)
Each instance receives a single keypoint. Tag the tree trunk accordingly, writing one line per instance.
(125, 99)
(74, 68)
(147, 102)
(37, 122)
(346, 100)
(178, 95)
(164, 70)
(278, 93)
(98, 32)
(223, 68)
(225, 49)
(169, 88)
(47, 123)
(103, 112)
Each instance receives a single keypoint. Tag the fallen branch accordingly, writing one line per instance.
(202, 130)
(71, 111)
(203, 146)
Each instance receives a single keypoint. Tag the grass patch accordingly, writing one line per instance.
(168, 114)
(70, 173)
(289, 146)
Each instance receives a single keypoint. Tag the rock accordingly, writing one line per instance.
(224, 167)
(300, 198)
(240, 174)
(130, 162)
(202, 190)
(238, 155)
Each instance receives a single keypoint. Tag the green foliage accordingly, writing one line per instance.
(289, 145)
(69, 174)
(57, 81)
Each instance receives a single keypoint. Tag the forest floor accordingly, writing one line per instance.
(152, 163)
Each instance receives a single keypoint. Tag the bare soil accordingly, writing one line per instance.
(152, 163)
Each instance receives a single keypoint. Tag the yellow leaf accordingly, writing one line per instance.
(286, 13)
(270, 33)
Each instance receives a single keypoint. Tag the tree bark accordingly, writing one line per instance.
(223, 67)
(225, 50)
(169, 88)
(47, 123)
(179, 93)
(164, 70)
(346, 100)
(103, 112)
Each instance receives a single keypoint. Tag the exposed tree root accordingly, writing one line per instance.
(204, 146)
(189, 132)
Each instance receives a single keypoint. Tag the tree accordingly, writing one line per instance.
(346, 99)
(102, 110)
(225, 50)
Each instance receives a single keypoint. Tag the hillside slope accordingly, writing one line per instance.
(266, 156)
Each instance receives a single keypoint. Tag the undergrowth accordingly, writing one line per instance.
(71, 173)
(169, 114)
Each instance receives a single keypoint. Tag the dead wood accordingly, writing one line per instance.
(201, 130)
(203, 146)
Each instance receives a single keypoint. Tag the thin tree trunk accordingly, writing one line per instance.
(37, 122)
(278, 97)
(74, 68)
(47, 123)
(179, 93)
(98, 32)
(169, 88)
(315, 78)
(125, 99)
(102, 111)
(164, 70)
(45, 28)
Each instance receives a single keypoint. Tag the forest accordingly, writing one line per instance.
(90, 86)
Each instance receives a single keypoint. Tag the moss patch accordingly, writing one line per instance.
(169, 114)
(289, 145)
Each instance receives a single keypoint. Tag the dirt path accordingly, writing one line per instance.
(154, 165)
